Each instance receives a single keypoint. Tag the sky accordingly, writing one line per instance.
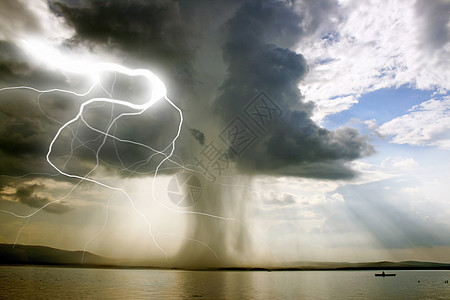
(227, 133)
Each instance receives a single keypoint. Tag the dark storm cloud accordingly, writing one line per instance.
(26, 194)
(144, 34)
(155, 128)
(25, 132)
(148, 30)
(198, 135)
(256, 41)
(255, 62)
(24, 138)
(12, 61)
(293, 144)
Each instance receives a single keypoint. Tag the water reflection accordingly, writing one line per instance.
(73, 283)
(218, 285)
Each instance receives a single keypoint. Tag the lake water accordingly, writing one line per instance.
(80, 283)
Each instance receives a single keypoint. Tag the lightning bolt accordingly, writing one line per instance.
(55, 59)
(92, 69)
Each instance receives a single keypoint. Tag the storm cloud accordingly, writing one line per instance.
(254, 52)
(233, 69)
(27, 194)
(290, 143)
(150, 31)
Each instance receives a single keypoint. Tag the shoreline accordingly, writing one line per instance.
(230, 269)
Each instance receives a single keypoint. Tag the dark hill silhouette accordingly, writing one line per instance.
(41, 255)
(381, 265)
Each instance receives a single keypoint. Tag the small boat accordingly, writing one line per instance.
(382, 274)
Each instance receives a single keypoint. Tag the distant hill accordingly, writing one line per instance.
(41, 255)
(381, 265)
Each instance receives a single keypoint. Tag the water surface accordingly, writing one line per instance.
(82, 283)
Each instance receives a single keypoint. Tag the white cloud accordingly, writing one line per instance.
(427, 124)
(368, 172)
(274, 199)
(374, 45)
(371, 124)
(406, 164)
(411, 190)
(399, 164)
(336, 197)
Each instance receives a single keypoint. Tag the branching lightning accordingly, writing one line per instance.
(94, 70)
(55, 59)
